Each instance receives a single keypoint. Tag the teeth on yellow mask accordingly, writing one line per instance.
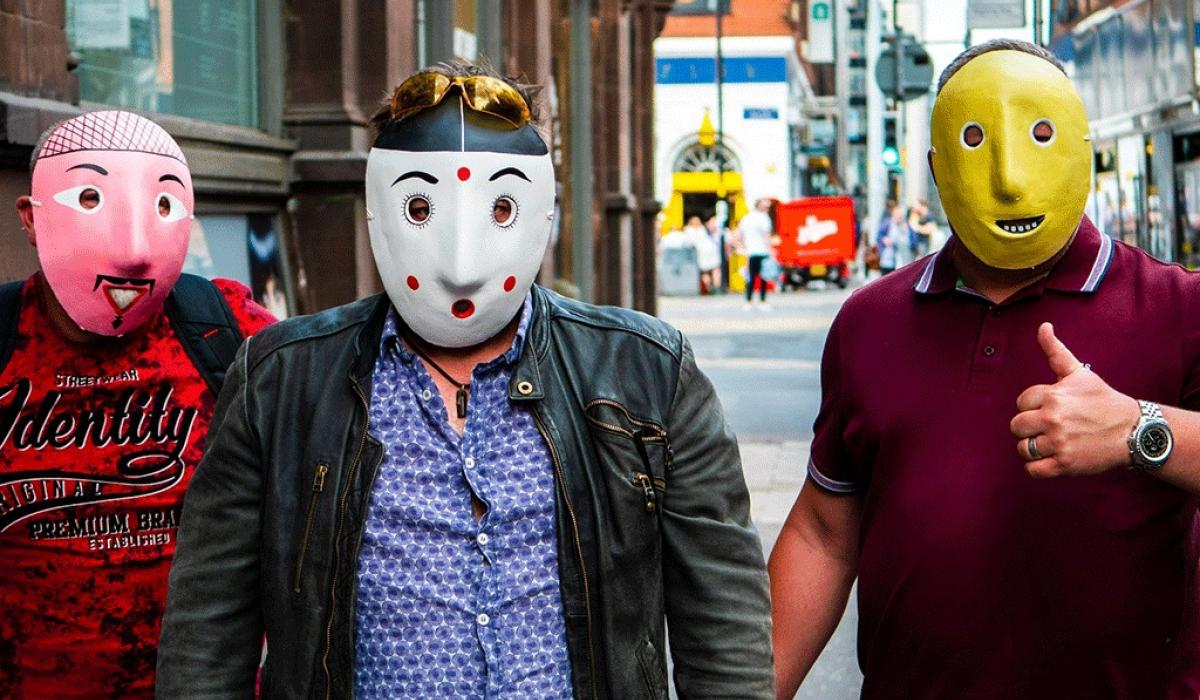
(1011, 157)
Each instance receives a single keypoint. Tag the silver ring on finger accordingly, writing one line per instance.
(1031, 445)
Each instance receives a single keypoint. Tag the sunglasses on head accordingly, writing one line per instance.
(481, 93)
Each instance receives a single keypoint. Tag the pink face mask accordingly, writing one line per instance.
(114, 200)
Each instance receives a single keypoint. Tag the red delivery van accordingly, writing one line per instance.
(816, 239)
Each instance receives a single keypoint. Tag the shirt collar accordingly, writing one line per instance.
(1081, 269)
(391, 339)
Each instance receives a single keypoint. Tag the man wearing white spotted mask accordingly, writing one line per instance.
(496, 492)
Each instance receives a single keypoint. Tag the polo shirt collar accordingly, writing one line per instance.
(1081, 270)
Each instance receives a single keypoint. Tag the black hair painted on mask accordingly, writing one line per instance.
(451, 126)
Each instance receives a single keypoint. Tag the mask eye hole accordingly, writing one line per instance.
(504, 211)
(972, 135)
(85, 199)
(417, 210)
(170, 207)
(1043, 132)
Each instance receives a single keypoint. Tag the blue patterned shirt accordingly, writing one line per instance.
(451, 607)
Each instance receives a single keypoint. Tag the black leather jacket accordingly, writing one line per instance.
(653, 512)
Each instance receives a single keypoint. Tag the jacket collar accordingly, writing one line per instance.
(366, 343)
(526, 383)
(1081, 270)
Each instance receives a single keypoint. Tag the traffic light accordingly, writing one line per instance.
(891, 147)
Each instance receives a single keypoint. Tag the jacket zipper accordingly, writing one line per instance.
(317, 487)
(337, 537)
(648, 485)
(587, 601)
(658, 431)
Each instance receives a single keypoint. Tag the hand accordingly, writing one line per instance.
(1081, 424)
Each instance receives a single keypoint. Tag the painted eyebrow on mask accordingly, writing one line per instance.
(416, 173)
(88, 166)
(169, 176)
(509, 171)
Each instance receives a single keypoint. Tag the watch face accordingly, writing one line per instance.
(1155, 442)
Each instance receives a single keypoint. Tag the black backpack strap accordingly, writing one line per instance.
(10, 313)
(204, 324)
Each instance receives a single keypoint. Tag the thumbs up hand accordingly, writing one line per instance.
(1078, 425)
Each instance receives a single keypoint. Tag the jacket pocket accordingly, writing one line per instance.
(612, 417)
(318, 487)
(652, 670)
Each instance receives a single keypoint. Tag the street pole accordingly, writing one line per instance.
(720, 61)
(876, 173)
(1037, 22)
(842, 83)
(582, 176)
(896, 61)
(897, 92)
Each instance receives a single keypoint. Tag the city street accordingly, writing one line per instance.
(765, 366)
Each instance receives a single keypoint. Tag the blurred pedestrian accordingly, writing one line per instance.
(708, 258)
(754, 241)
(893, 234)
(923, 229)
(720, 237)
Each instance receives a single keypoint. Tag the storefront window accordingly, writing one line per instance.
(243, 247)
(1104, 206)
(194, 58)
(1131, 161)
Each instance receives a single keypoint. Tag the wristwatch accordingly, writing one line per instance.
(1151, 441)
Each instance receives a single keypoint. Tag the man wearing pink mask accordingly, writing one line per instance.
(110, 361)
(469, 486)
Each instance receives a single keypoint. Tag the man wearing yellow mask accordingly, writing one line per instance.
(975, 580)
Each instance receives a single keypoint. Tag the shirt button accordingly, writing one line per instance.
(988, 350)
(483, 619)
(426, 395)
(482, 538)
(469, 462)
(997, 312)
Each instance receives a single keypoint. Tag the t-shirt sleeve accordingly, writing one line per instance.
(830, 465)
(251, 318)
(1190, 398)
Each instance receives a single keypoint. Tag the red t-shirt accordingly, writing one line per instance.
(975, 580)
(97, 445)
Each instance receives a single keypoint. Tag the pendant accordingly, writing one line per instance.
(460, 401)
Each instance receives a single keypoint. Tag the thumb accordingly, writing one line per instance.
(1062, 361)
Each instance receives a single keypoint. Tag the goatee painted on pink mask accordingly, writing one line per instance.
(114, 217)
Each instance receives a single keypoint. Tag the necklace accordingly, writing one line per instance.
(462, 396)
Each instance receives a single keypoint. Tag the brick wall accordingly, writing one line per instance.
(33, 50)
(745, 18)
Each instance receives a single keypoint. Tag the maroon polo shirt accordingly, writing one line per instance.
(975, 580)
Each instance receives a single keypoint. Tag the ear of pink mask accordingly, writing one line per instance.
(111, 229)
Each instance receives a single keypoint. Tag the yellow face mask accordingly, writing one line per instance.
(1011, 158)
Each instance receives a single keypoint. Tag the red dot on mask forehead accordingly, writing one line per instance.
(413, 283)
(464, 173)
(510, 283)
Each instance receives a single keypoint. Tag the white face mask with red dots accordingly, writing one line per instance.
(458, 237)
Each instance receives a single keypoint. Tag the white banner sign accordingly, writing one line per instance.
(820, 32)
(995, 14)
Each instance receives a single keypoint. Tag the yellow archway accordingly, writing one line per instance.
(726, 185)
